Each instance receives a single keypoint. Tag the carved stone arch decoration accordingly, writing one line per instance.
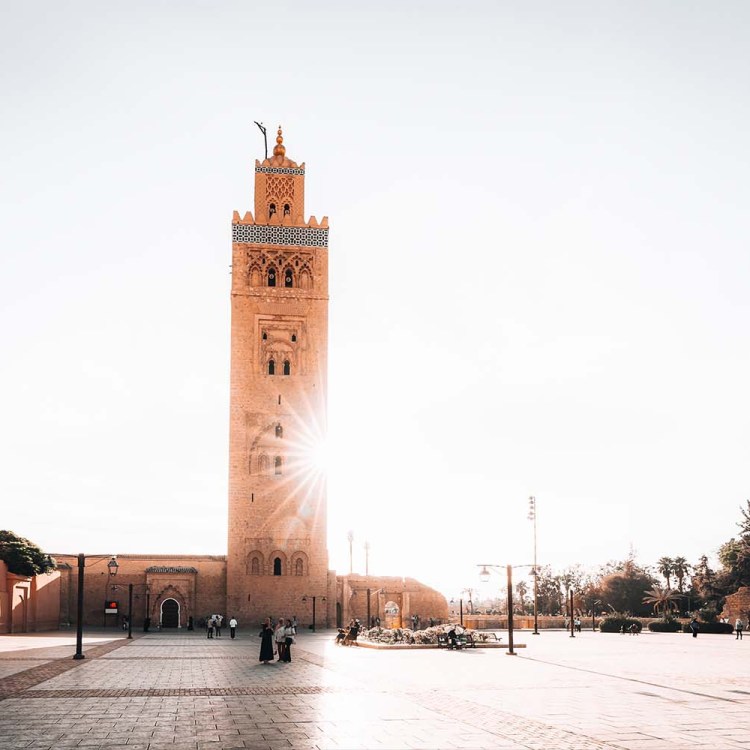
(254, 565)
(278, 564)
(263, 464)
(255, 276)
(305, 278)
(299, 564)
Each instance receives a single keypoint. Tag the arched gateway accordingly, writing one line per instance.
(170, 614)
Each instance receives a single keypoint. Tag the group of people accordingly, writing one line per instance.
(347, 636)
(214, 624)
(278, 640)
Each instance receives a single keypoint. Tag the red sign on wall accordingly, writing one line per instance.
(110, 608)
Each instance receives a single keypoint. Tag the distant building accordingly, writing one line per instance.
(277, 554)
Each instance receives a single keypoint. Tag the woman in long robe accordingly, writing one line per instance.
(266, 643)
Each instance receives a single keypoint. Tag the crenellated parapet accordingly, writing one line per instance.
(284, 221)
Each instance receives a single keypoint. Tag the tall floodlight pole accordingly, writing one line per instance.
(367, 558)
(535, 571)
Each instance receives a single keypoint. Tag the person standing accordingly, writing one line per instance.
(738, 627)
(266, 642)
(232, 627)
(218, 620)
(210, 627)
(288, 640)
(280, 638)
(694, 627)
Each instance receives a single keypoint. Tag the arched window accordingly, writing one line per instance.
(299, 567)
(277, 566)
(279, 431)
(265, 336)
(271, 276)
(271, 210)
(271, 367)
(255, 567)
(287, 367)
(286, 209)
(294, 338)
(263, 464)
(277, 465)
(288, 278)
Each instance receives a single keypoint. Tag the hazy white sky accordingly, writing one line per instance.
(538, 255)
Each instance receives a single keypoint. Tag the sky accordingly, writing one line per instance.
(538, 271)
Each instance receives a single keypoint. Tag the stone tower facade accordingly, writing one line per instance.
(277, 557)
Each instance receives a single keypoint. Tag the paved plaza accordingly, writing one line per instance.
(181, 691)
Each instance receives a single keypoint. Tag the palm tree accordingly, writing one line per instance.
(665, 565)
(680, 570)
(662, 599)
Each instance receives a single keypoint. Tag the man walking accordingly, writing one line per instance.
(232, 627)
(738, 627)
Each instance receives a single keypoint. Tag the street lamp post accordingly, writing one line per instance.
(532, 518)
(367, 558)
(112, 566)
(484, 576)
(314, 598)
(572, 623)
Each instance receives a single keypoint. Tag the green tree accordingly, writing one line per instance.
(522, 589)
(624, 589)
(665, 566)
(549, 598)
(664, 600)
(23, 557)
(680, 570)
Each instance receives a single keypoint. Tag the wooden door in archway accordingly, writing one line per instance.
(170, 614)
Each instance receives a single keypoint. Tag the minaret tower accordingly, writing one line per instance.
(277, 551)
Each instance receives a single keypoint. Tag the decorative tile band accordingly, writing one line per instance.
(266, 235)
(279, 170)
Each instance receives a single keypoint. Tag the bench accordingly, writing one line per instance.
(479, 639)
(445, 642)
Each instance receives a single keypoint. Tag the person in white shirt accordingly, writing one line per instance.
(232, 627)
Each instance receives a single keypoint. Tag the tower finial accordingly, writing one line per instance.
(279, 149)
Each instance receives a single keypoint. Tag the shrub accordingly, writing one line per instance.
(664, 626)
(711, 627)
(23, 557)
(615, 624)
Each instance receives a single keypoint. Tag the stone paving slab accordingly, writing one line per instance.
(178, 691)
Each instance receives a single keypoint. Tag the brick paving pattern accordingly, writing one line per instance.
(177, 691)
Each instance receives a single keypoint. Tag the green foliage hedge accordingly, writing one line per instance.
(23, 557)
(665, 626)
(710, 627)
(615, 624)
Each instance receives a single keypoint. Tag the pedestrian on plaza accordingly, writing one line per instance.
(232, 627)
(266, 643)
(694, 627)
(634, 629)
(294, 624)
(577, 624)
(288, 641)
(279, 637)
(190, 623)
(218, 619)
(210, 627)
(738, 627)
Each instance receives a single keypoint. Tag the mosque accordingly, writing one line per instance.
(277, 555)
